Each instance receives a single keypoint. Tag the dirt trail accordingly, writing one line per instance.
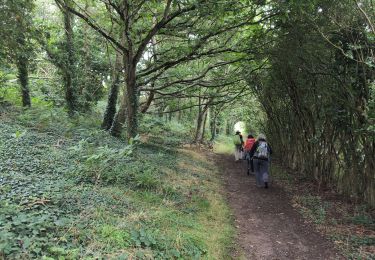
(267, 225)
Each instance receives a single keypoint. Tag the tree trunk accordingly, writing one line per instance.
(118, 121)
(200, 123)
(110, 111)
(69, 62)
(228, 130)
(150, 98)
(213, 127)
(132, 103)
(23, 77)
(203, 131)
(199, 120)
(129, 104)
(85, 89)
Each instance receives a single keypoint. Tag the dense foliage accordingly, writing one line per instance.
(318, 92)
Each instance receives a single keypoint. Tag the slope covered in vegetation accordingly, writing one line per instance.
(70, 190)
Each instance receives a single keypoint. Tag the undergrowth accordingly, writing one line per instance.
(165, 133)
(350, 226)
(71, 191)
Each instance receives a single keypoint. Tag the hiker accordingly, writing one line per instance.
(261, 155)
(238, 143)
(247, 148)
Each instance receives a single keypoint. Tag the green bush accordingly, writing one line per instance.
(101, 164)
(114, 166)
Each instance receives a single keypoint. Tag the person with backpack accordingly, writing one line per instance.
(261, 155)
(247, 148)
(238, 143)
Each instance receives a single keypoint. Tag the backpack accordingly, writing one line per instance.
(262, 150)
(249, 143)
(237, 140)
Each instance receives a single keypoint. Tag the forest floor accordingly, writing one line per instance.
(270, 225)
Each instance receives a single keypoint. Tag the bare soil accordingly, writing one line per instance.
(268, 227)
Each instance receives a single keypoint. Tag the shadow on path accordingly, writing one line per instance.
(268, 227)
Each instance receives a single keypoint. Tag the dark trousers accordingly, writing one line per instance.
(261, 172)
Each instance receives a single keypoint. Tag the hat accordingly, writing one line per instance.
(261, 136)
(238, 132)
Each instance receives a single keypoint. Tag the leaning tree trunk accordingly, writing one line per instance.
(129, 106)
(23, 77)
(151, 96)
(149, 100)
(118, 121)
(110, 111)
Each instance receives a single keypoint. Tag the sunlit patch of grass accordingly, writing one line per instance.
(215, 219)
(192, 155)
(203, 208)
(200, 216)
(224, 145)
(213, 215)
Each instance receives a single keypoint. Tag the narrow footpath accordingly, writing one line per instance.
(268, 227)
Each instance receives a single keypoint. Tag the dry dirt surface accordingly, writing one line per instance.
(268, 227)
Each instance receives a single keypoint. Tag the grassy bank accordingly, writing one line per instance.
(69, 191)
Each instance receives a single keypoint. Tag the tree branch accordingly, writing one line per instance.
(202, 75)
(94, 26)
(163, 22)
